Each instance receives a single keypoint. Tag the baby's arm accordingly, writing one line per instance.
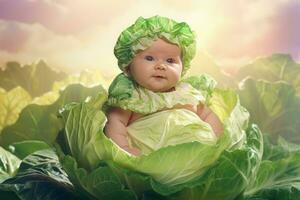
(207, 115)
(116, 128)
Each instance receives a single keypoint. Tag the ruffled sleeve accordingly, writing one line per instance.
(128, 95)
(204, 83)
(121, 88)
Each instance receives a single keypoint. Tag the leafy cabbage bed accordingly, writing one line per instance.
(53, 146)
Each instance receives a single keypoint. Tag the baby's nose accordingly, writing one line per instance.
(160, 66)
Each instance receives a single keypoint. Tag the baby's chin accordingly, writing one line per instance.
(156, 88)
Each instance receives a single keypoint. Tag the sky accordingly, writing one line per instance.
(73, 35)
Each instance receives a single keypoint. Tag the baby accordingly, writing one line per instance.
(150, 105)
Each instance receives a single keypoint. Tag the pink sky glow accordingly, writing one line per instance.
(73, 35)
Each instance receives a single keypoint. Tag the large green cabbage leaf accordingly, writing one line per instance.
(278, 176)
(101, 183)
(11, 104)
(39, 176)
(186, 168)
(40, 122)
(278, 67)
(273, 106)
(9, 164)
(84, 125)
(13, 101)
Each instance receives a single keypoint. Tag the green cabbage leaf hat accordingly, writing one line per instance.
(144, 31)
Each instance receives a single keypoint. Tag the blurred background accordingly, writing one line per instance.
(73, 35)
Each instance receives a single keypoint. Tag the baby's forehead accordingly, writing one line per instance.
(162, 47)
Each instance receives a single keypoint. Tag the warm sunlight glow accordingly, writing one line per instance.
(75, 35)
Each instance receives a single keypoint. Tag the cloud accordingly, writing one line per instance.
(12, 38)
(288, 29)
(73, 35)
(26, 11)
(64, 16)
(248, 29)
(65, 52)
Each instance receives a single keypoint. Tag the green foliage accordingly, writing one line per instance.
(101, 183)
(169, 170)
(83, 124)
(278, 175)
(273, 106)
(36, 78)
(9, 164)
(27, 147)
(40, 176)
(17, 95)
(278, 67)
(11, 104)
(38, 122)
(85, 164)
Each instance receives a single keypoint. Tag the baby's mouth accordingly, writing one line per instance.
(159, 76)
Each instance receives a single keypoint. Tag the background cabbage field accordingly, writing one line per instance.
(40, 107)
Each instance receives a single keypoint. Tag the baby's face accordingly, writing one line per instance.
(157, 68)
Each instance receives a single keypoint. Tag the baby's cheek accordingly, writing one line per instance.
(173, 80)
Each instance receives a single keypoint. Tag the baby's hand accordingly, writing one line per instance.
(207, 115)
(134, 151)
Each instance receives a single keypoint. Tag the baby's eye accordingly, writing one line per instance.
(171, 60)
(149, 58)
